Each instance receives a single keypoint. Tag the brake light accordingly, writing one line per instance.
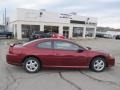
(10, 50)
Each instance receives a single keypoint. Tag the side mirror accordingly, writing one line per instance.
(12, 45)
(89, 48)
(80, 50)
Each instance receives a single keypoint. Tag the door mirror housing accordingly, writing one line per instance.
(89, 48)
(80, 50)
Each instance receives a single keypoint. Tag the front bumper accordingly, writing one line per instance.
(111, 62)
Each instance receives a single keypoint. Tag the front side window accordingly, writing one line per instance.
(65, 45)
(45, 45)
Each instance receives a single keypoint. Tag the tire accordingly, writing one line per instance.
(31, 65)
(8, 37)
(98, 64)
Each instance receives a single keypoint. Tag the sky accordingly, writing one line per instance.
(106, 11)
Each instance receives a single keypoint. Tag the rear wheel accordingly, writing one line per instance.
(98, 64)
(31, 65)
(8, 37)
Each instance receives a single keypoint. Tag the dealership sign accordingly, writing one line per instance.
(67, 16)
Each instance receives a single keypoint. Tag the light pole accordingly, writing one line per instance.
(5, 20)
(86, 22)
(3, 17)
(85, 27)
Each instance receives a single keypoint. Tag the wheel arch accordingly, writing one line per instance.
(102, 56)
(32, 56)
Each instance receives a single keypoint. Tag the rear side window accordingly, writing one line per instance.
(47, 44)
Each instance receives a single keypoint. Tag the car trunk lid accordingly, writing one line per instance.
(15, 48)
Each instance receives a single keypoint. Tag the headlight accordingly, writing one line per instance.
(110, 55)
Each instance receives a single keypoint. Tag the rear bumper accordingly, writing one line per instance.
(13, 59)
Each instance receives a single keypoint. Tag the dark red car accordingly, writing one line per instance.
(57, 53)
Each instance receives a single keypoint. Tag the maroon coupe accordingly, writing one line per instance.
(57, 53)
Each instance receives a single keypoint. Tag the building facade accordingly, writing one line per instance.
(24, 22)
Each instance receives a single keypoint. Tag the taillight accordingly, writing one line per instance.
(10, 50)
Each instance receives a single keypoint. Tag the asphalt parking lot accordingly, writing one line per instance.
(15, 78)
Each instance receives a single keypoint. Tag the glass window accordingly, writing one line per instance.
(65, 45)
(51, 29)
(77, 31)
(90, 32)
(45, 45)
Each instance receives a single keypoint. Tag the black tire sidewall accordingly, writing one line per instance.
(27, 59)
(8, 37)
(93, 61)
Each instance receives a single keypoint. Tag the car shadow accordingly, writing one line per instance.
(19, 69)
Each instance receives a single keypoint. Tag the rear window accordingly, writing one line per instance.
(30, 42)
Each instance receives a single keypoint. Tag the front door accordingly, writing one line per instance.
(45, 52)
(67, 55)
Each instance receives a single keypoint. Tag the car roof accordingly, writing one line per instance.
(47, 39)
(55, 39)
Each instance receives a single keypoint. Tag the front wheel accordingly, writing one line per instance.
(98, 64)
(31, 65)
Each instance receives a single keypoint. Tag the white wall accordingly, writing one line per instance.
(34, 15)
